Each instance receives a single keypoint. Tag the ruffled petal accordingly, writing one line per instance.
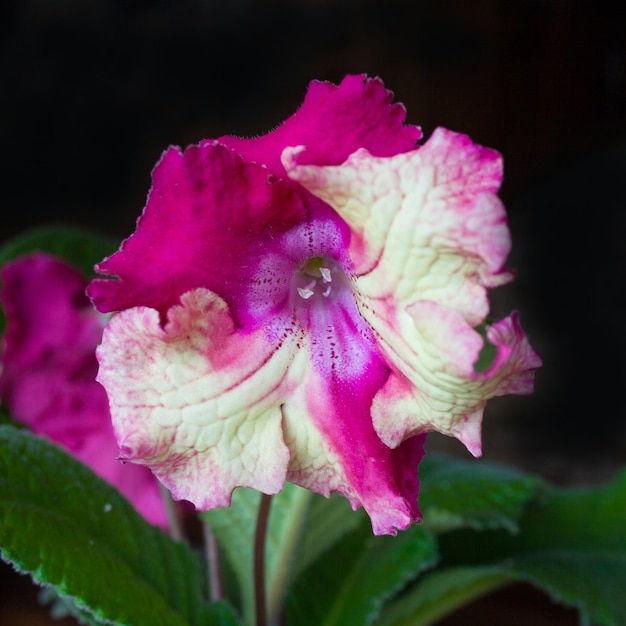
(328, 424)
(209, 221)
(197, 401)
(437, 387)
(333, 122)
(328, 428)
(425, 225)
(516, 373)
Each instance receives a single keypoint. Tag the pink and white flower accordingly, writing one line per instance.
(48, 372)
(303, 306)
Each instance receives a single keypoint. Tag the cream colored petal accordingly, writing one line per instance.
(437, 389)
(425, 224)
(197, 400)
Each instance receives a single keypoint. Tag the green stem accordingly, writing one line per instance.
(175, 527)
(260, 603)
(281, 566)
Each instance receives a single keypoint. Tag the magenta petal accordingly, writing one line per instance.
(334, 447)
(328, 424)
(209, 218)
(332, 123)
(48, 373)
(49, 364)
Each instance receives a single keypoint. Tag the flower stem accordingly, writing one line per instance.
(260, 602)
(211, 549)
(176, 529)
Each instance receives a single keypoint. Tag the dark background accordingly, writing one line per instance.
(92, 91)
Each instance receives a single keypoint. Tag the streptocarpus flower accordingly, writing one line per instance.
(49, 365)
(306, 305)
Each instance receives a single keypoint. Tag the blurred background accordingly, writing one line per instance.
(92, 91)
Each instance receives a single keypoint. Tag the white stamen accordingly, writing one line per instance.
(319, 277)
(305, 293)
(326, 277)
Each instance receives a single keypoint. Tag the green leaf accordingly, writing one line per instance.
(328, 520)
(441, 592)
(488, 352)
(71, 530)
(65, 606)
(81, 248)
(455, 493)
(572, 543)
(287, 516)
(302, 525)
(350, 583)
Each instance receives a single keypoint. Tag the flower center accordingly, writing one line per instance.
(315, 277)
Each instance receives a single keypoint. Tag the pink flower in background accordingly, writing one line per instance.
(47, 380)
(303, 306)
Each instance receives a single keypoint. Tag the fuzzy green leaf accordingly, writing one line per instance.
(455, 493)
(571, 543)
(71, 530)
(439, 593)
(350, 583)
(302, 525)
(328, 520)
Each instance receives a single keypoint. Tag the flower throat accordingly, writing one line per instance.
(315, 277)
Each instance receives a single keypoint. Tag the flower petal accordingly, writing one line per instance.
(197, 401)
(48, 373)
(209, 219)
(333, 122)
(48, 362)
(335, 448)
(426, 224)
(328, 423)
(437, 388)
(514, 374)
